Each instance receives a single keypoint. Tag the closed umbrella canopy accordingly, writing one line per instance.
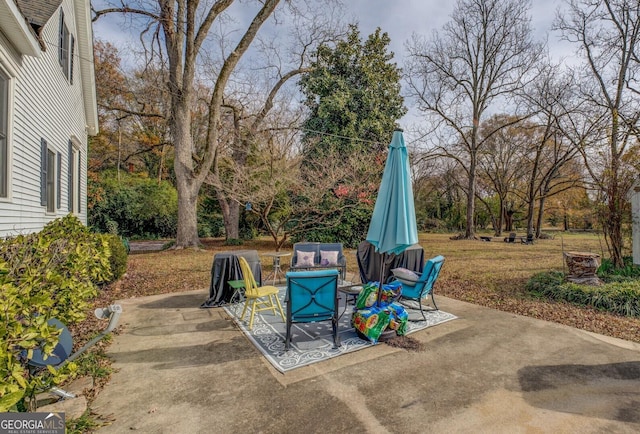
(393, 225)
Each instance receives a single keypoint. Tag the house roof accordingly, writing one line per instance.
(87, 70)
(21, 22)
(15, 27)
(38, 12)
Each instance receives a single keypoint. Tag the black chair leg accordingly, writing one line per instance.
(287, 339)
(434, 301)
(424, 318)
(336, 338)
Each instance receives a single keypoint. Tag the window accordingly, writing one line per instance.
(74, 179)
(4, 135)
(66, 49)
(48, 190)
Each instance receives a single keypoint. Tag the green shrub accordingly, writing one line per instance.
(50, 274)
(607, 270)
(545, 284)
(348, 227)
(118, 256)
(132, 205)
(621, 297)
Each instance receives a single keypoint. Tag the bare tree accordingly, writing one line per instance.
(607, 34)
(179, 30)
(550, 98)
(249, 104)
(479, 59)
(283, 200)
(131, 108)
(500, 165)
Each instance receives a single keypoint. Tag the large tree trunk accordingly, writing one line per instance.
(530, 214)
(232, 208)
(613, 217)
(500, 218)
(187, 214)
(187, 185)
(531, 200)
(470, 230)
(540, 216)
(508, 216)
(231, 216)
(471, 195)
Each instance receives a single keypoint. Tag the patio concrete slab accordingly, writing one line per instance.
(182, 369)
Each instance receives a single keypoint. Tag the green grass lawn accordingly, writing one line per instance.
(497, 264)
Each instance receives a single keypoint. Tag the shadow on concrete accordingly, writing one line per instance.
(178, 301)
(212, 353)
(589, 390)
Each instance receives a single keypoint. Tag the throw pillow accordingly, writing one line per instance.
(408, 277)
(304, 259)
(328, 258)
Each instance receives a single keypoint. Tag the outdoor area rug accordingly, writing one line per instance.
(312, 342)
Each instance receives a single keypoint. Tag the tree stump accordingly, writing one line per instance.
(582, 267)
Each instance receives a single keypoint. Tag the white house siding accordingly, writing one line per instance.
(45, 106)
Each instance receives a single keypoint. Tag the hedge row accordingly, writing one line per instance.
(50, 274)
(622, 297)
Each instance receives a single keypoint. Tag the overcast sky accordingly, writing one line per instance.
(402, 18)
(399, 18)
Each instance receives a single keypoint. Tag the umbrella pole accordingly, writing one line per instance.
(380, 282)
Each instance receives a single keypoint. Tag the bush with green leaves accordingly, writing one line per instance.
(132, 205)
(622, 297)
(50, 274)
(348, 227)
(118, 255)
(608, 271)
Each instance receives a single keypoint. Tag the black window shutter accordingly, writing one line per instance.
(79, 172)
(61, 39)
(43, 172)
(59, 181)
(71, 50)
(70, 178)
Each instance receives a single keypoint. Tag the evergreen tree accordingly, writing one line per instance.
(354, 102)
(353, 96)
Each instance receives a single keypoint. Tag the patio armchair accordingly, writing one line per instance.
(258, 298)
(312, 296)
(423, 287)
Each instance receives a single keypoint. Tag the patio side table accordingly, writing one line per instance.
(277, 269)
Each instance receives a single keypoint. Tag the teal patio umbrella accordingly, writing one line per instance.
(393, 225)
